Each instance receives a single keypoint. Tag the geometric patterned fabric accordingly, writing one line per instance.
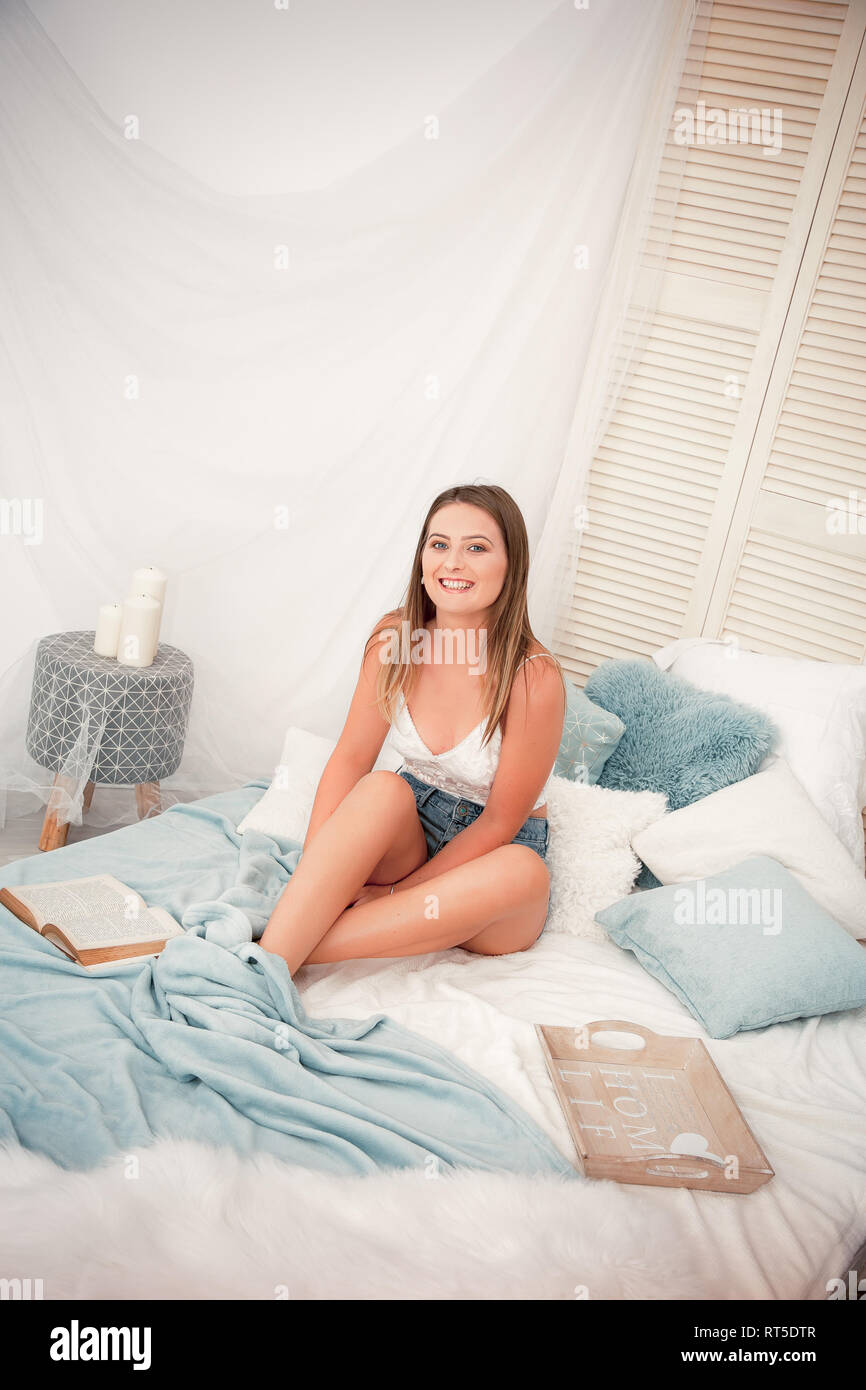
(589, 735)
(94, 719)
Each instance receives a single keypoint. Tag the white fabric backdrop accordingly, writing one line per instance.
(166, 388)
(630, 295)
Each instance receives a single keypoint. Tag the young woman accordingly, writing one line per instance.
(450, 850)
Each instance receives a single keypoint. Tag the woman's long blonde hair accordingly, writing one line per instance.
(509, 635)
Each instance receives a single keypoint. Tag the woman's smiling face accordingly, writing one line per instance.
(464, 560)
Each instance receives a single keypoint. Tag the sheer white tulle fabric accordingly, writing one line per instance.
(627, 305)
(262, 395)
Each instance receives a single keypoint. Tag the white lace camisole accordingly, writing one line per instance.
(467, 769)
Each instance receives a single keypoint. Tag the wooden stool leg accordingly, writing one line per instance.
(87, 797)
(54, 832)
(147, 800)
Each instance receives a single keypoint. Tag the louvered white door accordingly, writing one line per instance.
(792, 577)
(666, 479)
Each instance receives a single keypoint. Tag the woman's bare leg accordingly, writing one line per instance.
(494, 905)
(374, 829)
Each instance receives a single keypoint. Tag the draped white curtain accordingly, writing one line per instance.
(261, 395)
(629, 298)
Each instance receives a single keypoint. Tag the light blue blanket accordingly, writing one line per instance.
(210, 1041)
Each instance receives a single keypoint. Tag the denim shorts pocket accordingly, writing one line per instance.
(535, 833)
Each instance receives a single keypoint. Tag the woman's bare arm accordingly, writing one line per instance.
(358, 746)
(533, 732)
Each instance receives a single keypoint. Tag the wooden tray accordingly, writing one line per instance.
(632, 1112)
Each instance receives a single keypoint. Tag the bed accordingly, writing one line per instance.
(204, 1220)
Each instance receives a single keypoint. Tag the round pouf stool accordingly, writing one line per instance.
(91, 717)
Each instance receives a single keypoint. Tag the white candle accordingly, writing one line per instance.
(149, 580)
(108, 629)
(139, 631)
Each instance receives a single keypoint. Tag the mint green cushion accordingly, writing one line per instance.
(737, 962)
(589, 736)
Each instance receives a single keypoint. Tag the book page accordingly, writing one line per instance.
(98, 911)
(123, 964)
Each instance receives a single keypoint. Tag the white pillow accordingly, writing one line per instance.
(768, 813)
(284, 810)
(589, 856)
(819, 707)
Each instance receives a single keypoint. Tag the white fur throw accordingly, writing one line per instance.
(181, 1220)
(589, 855)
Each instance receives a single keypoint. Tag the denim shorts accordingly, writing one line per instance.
(442, 816)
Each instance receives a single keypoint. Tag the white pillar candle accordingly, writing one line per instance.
(139, 631)
(149, 580)
(108, 629)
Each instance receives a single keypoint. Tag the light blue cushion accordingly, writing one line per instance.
(589, 736)
(738, 962)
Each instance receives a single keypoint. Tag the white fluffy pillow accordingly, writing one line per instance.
(284, 810)
(820, 710)
(768, 813)
(589, 855)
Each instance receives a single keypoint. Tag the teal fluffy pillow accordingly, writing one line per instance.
(678, 739)
(742, 949)
(589, 736)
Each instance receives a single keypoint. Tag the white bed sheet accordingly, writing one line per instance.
(800, 1085)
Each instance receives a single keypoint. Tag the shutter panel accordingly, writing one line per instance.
(652, 490)
(666, 475)
(798, 543)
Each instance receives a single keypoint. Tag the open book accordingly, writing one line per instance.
(92, 920)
